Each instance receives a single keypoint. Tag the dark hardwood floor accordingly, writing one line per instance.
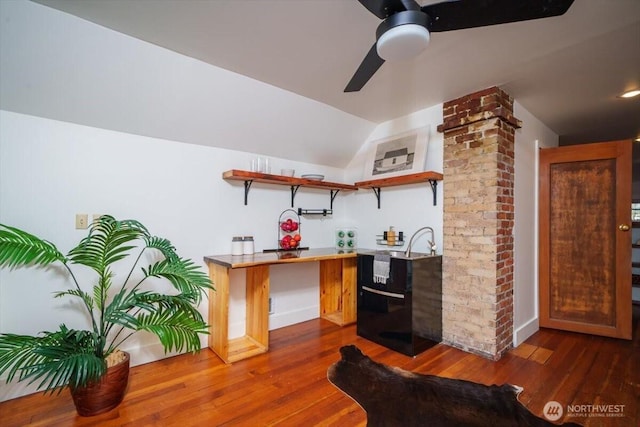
(288, 385)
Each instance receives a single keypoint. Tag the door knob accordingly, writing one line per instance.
(623, 227)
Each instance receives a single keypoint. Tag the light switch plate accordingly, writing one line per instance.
(82, 221)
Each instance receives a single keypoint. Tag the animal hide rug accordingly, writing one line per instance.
(394, 397)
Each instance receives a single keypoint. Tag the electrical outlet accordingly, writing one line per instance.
(270, 306)
(96, 217)
(82, 221)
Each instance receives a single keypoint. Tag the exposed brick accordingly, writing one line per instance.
(479, 135)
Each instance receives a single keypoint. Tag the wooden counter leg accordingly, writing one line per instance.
(219, 311)
(349, 290)
(256, 338)
(338, 290)
(258, 305)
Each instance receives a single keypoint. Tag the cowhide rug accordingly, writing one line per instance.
(394, 397)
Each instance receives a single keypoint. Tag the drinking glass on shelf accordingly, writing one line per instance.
(264, 165)
(261, 165)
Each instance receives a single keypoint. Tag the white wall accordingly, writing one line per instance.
(58, 66)
(51, 170)
(407, 207)
(529, 139)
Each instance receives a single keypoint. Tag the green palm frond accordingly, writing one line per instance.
(16, 352)
(57, 358)
(163, 245)
(107, 243)
(19, 248)
(175, 330)
(183, 274)
(118, 310)
(176, 303)
(150, 302)
(71, 369)
(101, 289)
(146, 303)
(77, 293)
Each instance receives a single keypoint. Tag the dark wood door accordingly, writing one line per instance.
(585, 238)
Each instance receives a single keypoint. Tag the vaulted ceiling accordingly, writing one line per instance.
(567, 70)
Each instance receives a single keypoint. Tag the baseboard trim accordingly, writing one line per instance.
(280, 320)
(523, 332)
(14, 390)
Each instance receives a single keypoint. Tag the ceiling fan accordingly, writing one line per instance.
(404, 31)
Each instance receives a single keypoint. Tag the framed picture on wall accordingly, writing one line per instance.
(400, 154)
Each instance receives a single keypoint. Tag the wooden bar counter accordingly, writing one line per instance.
(337, 296)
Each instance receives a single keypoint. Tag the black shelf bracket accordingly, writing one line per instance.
(334, 193)
(294, 190)
(434, 188)
(376, 191)
(247, 186)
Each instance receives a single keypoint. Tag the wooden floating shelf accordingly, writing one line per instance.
(240, 175)
(334, 187)
(415, 178)
(294, 183)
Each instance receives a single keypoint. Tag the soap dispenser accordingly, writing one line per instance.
(391, 236)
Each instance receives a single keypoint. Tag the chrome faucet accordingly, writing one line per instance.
(432, 242)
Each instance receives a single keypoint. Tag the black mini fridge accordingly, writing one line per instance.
(404, 310)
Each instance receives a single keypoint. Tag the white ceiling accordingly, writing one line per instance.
(565, 70)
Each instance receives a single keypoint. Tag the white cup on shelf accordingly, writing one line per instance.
(264, 164)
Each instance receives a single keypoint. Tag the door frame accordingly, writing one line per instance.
(602, 150)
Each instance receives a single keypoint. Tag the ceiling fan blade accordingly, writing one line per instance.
(365, 71)
(384, 8)
(456, 15)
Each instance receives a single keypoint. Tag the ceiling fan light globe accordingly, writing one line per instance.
(402, 42)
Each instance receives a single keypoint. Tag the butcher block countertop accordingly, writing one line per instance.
(266, 258)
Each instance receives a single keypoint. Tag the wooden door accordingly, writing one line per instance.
(584, 241)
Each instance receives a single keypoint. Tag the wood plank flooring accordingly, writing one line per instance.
(288, 387)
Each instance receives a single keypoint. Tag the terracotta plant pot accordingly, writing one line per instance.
(104, 395)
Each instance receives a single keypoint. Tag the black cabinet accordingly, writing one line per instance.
(405, 312)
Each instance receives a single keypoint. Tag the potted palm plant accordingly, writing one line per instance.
(82, 359)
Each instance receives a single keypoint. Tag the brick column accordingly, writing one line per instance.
(479, 132)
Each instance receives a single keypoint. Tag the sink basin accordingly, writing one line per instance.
(401, 255)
